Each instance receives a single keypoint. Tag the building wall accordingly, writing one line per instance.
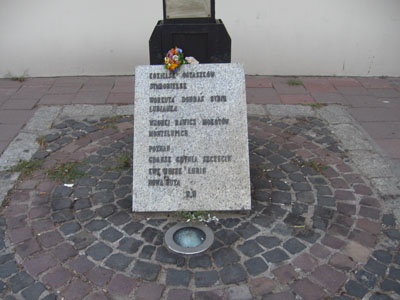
(272, 37)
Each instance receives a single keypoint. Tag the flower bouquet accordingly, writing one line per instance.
(175, 58)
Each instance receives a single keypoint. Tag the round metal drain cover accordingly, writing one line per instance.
(189, 238)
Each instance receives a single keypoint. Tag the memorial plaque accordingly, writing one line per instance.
(188, 9)
(190, 139)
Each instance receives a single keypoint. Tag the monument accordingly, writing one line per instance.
(192, 25)
(190, 139)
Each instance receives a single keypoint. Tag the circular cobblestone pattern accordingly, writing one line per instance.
(314, 231)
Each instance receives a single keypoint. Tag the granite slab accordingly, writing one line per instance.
(190, 139)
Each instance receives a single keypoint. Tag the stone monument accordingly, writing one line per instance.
(190, 139)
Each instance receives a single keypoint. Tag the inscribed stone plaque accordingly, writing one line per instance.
(190, 139)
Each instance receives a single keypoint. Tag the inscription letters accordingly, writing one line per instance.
(157, 124)
(192, 99)
(158, 100)
(160, 159)
(164, 182)
(208, 74)
(217, 159)
(168, 86)
(186, 159)
(168, 108)
(167, 133)
(218, 98)
(159, 148)
(185, 122)
(215, 121)
(187, 128)
(165, 75)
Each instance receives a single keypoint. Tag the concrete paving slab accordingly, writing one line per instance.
(124, 110)
(384, 93)
(335, 114)
(30, 92)
(296, 99)
(318, 84)
(21, 148)
(344, 82)
(289, 110)
(124, 81)
(351, 137)
(122, 89)
(57, 99)
(388, 187)
(366, 114)
(65, 89)
(9, 131)
(371, 164)
(6, 92)
(43, 119)
(86, 110)
(44, 81)
(353, 90)
(329, 98)
(364, 101)
(3, 146)
(7, 83)
(91, 97)
(120, 98)
(390, 146)
(100, 81)
(13, 104)
(284, 88)
(391, 102)
(258, 82)
(262, 96)
(373, 82)
(96, 88)
(256, 109)
(71, 80)
(15, 116)
(7, 182)
(382, 130)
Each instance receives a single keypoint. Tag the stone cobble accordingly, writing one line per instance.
(315, 229)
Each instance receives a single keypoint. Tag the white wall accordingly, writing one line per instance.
(275, 37)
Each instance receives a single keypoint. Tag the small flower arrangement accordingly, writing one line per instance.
(174, 59)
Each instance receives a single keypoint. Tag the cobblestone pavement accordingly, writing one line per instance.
(320, 227)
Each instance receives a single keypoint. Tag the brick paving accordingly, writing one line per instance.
(318, 228)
